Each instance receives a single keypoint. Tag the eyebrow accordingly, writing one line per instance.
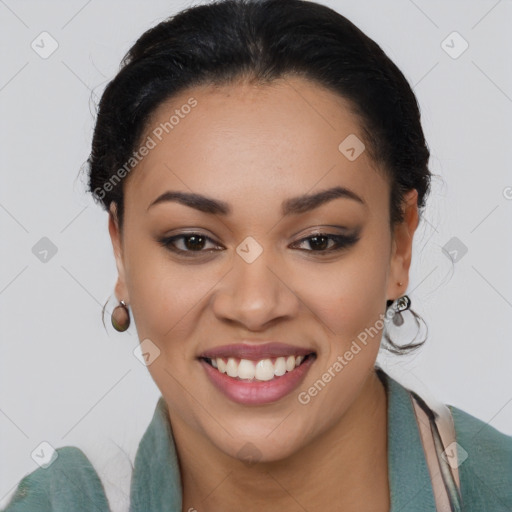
(294, 205)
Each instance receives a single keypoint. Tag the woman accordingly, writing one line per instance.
(264, 169)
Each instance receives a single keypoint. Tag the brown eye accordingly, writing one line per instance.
(324, 243)
(319, 242)
(194, 242)
(189, 243)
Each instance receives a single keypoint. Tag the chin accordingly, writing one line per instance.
(261, 447)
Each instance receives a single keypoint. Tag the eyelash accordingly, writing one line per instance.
(341, 242)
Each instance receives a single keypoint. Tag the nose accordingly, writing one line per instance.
(255, 294)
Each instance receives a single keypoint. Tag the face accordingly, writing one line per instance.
(257, 258)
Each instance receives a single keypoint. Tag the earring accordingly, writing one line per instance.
(121, 317)
(402, 304)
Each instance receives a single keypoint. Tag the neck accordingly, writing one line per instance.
(346, 465)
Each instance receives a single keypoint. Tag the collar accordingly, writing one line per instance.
(156, 480)
(409, 477)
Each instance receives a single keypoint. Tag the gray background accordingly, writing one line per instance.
(66, 381)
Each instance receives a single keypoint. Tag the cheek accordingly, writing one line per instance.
(160, 302)
(166, 297)
(349, 296)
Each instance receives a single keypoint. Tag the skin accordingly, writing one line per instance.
(254, 146)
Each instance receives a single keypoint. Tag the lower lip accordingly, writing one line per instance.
(258, 392)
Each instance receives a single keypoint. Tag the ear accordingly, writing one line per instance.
(402, 246)
(121, 289)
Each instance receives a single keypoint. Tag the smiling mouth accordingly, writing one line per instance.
(258, 370)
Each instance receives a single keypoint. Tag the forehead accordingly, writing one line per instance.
(247, 142)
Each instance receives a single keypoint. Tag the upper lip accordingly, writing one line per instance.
(256, 352)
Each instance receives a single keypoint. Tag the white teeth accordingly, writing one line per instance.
(262, 370)
(221, 364)
(232, 368)
(280, 366)
(246, 370)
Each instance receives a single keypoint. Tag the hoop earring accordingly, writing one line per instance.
(402, 304)
(121, 317)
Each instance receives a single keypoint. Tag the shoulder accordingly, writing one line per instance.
(68, 483)
(485, 463)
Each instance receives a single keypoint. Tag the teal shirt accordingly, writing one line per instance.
(71, 483)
